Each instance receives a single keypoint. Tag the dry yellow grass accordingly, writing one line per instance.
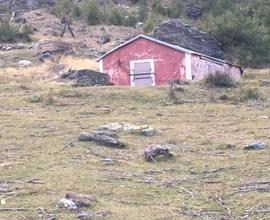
(43, 71)
(79, 63)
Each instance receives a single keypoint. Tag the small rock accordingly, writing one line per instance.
(129, 128)
(24, 63)
(101, 139)
(75, 201)
(93, 215)
(256, 146)
(107, 161)
(104, 39)
(148, 132)
(36, 99)
(151, 153)
(68, 203)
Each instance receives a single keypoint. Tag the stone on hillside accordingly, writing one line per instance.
(24, 63)
(93, 215)
(176, 32)
(193, 11)
(76, 201)
(47, 48)
(144, 130)
(86, 77)
(101, 139)
(104, 39)
(151, 153)
(256, 146)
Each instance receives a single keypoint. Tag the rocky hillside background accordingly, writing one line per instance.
(240, 29)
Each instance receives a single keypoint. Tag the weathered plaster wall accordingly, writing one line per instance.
(169, 63)
(201, 67)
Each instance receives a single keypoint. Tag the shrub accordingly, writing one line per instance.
(63, 8)
(9, 33)
(151, 22)
(246, 94)
(91, 12)
(224, 97)
(116, 16)
(242, 30)
(176, 9)
(219, 79)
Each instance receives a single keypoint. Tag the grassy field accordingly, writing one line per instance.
(206, 134)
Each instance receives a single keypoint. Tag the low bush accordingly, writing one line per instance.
(219, 79)
(9, 33)
(246, 94)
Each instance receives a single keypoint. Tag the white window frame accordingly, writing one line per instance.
(152, 65)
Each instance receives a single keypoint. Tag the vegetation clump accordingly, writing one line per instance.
(247, 94)
(219, 79)
(10, 34)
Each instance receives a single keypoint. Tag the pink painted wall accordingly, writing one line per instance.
(201, 67)
(169, 63)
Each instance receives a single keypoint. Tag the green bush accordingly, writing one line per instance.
(175, 9)
(152, 21)
(91, 12)
(63, 8)
(246, 94)
(116, 16)
(219, 79)
(243, 30)
(9, 33)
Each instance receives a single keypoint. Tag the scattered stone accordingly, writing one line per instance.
(151, 153)
(93, 215)
(139, 25)
(47, 48)
(101, 139)
(68, 203)
(76, 201)
(36, 99)
(193, 12)
(148, 132)
(176, 32)
(86, 77)
(105, 39)
(256, 146)
(24, 63)
(108, 161)
(144, 130)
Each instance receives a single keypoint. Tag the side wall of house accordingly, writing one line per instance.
(201, 67)
(169, 63)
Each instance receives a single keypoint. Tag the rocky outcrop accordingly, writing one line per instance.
(47, 48)
(86, 77)
(180, 34)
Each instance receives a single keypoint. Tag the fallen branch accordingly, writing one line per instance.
(220, 202)
(13, 209)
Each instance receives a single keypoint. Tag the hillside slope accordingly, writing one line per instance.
(210, 176)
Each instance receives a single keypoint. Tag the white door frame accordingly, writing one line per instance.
(132, 64)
